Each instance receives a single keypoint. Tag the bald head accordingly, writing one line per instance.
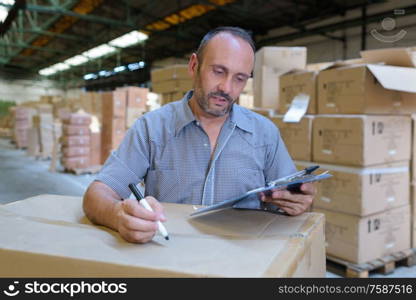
(236, 32)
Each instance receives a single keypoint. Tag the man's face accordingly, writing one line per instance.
(221, 76)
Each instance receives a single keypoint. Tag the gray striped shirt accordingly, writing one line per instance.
(170, 151)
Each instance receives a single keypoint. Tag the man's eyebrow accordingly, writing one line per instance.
(225, 68)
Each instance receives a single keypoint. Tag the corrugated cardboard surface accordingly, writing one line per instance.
(171, 86)
(413, 214)
(364, 191)
(113, 104)
(295, 83)
(270, 63)
(367, 89)
(361, 140)
(297, 136)
(359, 240)
(49, 236)
(172, 72)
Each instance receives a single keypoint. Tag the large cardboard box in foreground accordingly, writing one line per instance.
(361, 140)
(360, 240)
(60, 242)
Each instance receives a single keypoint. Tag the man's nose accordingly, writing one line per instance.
(226, 85)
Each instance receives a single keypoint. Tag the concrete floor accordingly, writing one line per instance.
(22, 177)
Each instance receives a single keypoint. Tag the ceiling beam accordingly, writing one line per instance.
(333, 27)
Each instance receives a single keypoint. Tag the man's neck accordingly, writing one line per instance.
(204, 118)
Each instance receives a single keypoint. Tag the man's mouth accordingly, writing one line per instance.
(220, 101)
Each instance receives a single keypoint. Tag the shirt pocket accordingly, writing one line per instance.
(165, 185)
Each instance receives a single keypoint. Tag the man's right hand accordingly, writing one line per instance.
(135, 223)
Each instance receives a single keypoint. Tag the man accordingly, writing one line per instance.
(203, 149)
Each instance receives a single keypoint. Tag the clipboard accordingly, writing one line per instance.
(291, 182)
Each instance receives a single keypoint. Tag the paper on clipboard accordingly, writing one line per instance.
(290, 182)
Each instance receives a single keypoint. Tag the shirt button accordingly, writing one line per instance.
(206, 145)
(197, 123)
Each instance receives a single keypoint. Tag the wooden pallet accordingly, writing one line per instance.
(89, 170)
(384, 265)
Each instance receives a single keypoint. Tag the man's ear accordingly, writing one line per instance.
(193, 65)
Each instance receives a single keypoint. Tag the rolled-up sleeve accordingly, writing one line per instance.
(130, 162)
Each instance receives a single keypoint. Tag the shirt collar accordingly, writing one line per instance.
(238, 116)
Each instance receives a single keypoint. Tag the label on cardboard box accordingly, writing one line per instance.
(297, 109)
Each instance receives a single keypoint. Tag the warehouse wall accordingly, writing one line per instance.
(321, 48)
(21, 90)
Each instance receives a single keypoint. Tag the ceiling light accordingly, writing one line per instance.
(120, 69)
(90, 76)
(76, 60)
(129, 39)
(99, 51)
(4, 10)
(47, 72)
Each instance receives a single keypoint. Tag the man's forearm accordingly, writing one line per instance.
(101, 205)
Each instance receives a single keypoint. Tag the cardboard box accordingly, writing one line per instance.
(78, 119)
(413, 214)
(76, 162)
(33, 147)
(367, 89)
(360, 240)
(76, 129)
(270, 63)
(265, 112)
(364, 191)
(297, 136)
(413, 150)
(401, 57)
(132, 114)
(95, 146)
(44, 108)
(114, 104)
(76, 140)
(361, 140)
(113, 132)
(230, 243)
(136, 97)
(294, 83)
(172, 72)
(171, 86)
(73, 151)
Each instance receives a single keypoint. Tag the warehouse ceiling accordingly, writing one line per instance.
(39, 33)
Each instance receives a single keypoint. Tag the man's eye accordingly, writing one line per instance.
(216, 71)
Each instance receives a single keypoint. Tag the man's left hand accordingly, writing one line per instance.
(293, 204)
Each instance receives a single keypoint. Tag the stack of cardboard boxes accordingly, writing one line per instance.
(114, 121)
(21, 126)
(76, 141)
(362, 135)
(172, 82)
(136, 103)
(44, 123)
(357, 126)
